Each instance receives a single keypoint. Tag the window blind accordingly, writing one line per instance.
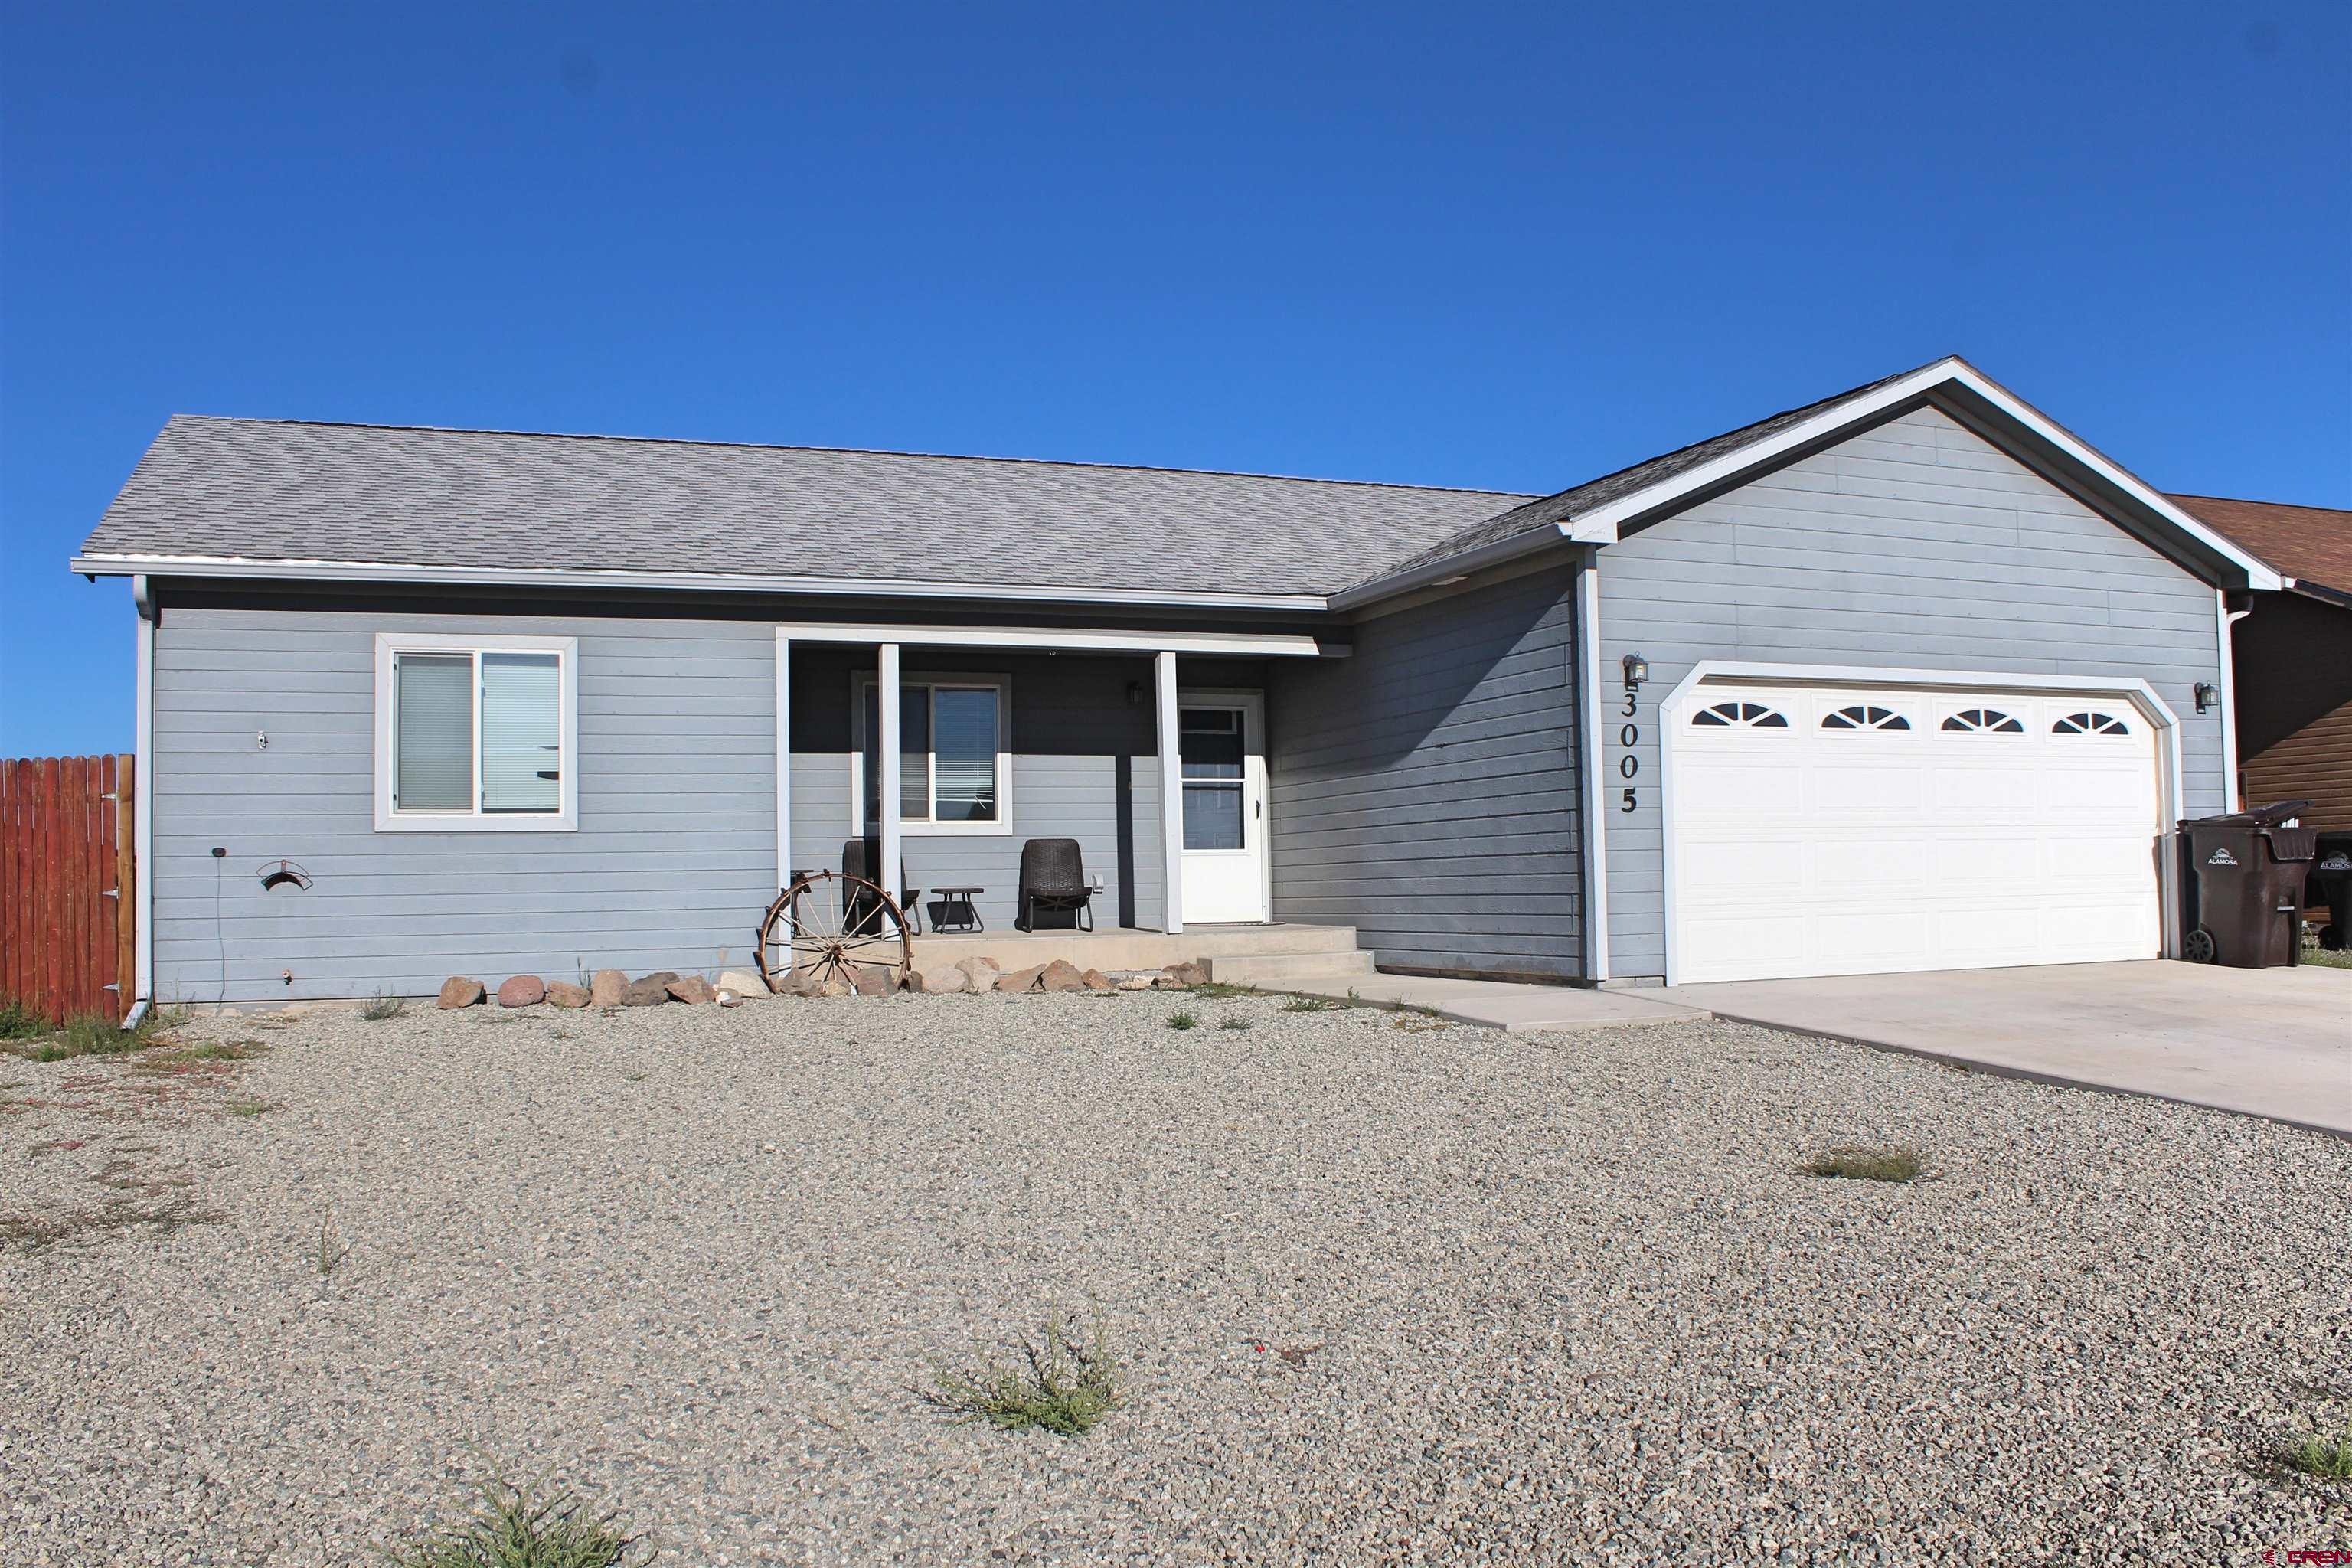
(435, 700)
(964, 743)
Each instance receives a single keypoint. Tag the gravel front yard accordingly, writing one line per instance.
(1544, 1298)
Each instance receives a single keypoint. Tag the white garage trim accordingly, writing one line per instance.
(2163, 722)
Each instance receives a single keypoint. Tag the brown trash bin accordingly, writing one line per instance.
(2250, 867)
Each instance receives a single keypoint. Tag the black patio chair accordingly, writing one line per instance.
(856, 854)
(1054, 880)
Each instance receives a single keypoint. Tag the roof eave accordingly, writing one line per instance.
(1432, 573)
(2240, 568)
(255, 570)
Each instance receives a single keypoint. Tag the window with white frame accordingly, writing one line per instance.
(476, 732)
(955, 762)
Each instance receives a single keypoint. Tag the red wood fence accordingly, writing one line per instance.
(66, 908)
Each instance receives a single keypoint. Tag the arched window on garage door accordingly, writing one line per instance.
(1984, 721)
(1744, 715)
(2090, 724)
(1865, 717)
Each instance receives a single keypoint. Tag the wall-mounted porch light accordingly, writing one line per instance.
(1637, 670)
(2207, 694)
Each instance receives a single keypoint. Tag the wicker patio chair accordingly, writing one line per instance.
(856, 854)
(1054, 879)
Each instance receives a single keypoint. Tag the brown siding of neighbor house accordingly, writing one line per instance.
(2313, 762)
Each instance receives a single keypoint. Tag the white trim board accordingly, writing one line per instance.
(1591, 778)
(2143, 697)
(1245, 645)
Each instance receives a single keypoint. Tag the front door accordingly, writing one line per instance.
(1222, 745)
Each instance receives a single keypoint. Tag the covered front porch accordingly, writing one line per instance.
(1147, 751)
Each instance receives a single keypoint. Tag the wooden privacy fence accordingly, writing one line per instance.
(66, 908)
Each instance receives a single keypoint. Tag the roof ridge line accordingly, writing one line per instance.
(853, 452)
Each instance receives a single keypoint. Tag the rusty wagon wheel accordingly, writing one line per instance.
(829, 925)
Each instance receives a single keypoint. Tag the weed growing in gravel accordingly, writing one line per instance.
(1308, 1005)
(1182, 1021)
(1866, 1164)
(1219, 990)
(1061, 1386)
(383, 1004)
(1235, 1024)
(89, 1034)
(19, 1023)
(332, 1249)
(525, 1527)
(2325, 1456)
(246, 1108)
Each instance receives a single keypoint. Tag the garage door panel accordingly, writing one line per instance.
(1801, 849)
(1739, 788)
(1866, 789)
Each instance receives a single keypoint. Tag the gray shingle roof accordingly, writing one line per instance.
(1571, 504)
(284, 490)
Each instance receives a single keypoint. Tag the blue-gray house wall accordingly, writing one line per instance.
(1425, 790)
(674, 857)
(1913, 545)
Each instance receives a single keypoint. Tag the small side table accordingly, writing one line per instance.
(956, 911)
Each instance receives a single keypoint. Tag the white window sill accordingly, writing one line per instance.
(467, 822)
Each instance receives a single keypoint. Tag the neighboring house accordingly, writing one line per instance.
(2293, 656)
(1909, 678)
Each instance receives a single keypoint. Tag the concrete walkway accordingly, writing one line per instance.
(1501, 1005)
(2267, 1042)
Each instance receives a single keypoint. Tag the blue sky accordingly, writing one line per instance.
(1511, 246)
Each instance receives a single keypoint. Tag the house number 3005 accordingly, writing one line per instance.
(1628, 766)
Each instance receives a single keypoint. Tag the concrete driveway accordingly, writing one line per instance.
(2268, 1042)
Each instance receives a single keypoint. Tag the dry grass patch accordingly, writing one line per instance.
(1866, 1164)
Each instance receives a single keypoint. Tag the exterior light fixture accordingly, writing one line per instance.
(2207, 694)
(1637, 670)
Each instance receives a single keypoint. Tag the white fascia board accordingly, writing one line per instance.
(698, 582)
(1247, 645)
(1600, 525)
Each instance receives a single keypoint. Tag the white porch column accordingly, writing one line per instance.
(784, 759)
(887, 749)
(1171, 791)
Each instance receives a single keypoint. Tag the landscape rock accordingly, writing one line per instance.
(743, 982)
(1021, 979)
(945, 979)
(460, 992)
(1061, 975)
(834, 986)
(1136, 983)
(1096, 980)
(981, 972)
(564, 993)
(664, 976)
(872, 980)
(523, 991)
(646, 993)
(1187, 974)
(605, 990)
(728, 996)
(693, 988)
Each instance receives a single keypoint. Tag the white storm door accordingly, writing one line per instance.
(1221, 745)
(1820, 830)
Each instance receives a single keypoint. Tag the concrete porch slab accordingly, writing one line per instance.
(2265, 1042)
(1503, 1005)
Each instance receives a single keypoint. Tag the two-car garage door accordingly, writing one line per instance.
(1819, 830)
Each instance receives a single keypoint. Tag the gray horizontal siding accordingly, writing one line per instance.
(671, 865)
(1917, 545)
(1425, 790)
(1083, 766)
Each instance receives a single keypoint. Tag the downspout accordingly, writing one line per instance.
(2228, 620)
(1592, 818)
(142, 806)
